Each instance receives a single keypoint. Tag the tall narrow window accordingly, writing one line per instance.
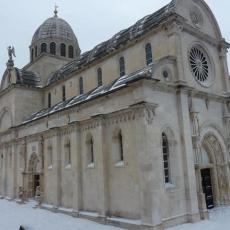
(99, 77)
(122, 66)
(67, 154)
(63, 50)
(43, 48)
(148, 53)
(50, 156)
(120, 141)
(36, 51)
(165, 148)
(81, 86)
(53, 48)
(63, 93)
(91, 151)
(49, 100)
(70, 51)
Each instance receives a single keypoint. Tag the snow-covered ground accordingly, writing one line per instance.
(12, 215)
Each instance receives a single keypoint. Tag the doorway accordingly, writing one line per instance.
(207, 187)
(36, 183)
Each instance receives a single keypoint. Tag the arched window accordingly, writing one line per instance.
(49, 100)
(50, 156)
(36, 51)
(81, 87)
(99, 77)
(53, 48)
(63, 50)
(120, 142)
(165, 149)
(122, 66)
(63, 93)
(70, 51)
(90, 151)
(32, 55)
(148, 54)
(67, 154)
(43, 48)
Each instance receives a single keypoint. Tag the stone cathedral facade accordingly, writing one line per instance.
(136, 128)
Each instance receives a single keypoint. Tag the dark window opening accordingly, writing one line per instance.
(122, 66)
(63, 93)
(99, 77)
(36, 51)
(148, 53)
(32, 54)
(63, 50)
(165, 148)
(49, 100)
(53, 48)
(120, 138)
(70, 51)
(43, 48)
(81, 87)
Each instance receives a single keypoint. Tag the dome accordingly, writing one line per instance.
(56, 37)
(55, 28)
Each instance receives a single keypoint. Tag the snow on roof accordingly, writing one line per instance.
(99, 91)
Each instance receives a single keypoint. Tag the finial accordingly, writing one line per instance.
(55, 11)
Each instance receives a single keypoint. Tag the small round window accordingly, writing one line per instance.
(200, 66)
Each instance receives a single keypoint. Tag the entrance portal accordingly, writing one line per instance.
(207, 187)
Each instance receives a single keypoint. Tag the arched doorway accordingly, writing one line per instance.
(212, 172)
(34, 174)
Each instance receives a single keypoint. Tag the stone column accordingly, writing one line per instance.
(102, 169)
(224, 66)
(77, 170)
(147, 136)
(4, 170)
(188, 157)
(15, 169)
(41, 156)
(57, 169)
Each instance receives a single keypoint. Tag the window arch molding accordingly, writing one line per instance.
(172, 158)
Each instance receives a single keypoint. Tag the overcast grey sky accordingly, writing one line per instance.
(92, 21)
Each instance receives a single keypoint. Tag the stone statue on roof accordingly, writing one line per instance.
(11, 52)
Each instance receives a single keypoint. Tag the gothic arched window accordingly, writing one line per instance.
(67, 153)
(53, 48)
(148, 54)
(63, 50)
(122, 66)
(43, 48)
(99, 77)
(63, 93)
(49, 100)
(70, 51)
(120, 142)
(90, 151)
(81, 86)
(165, 149)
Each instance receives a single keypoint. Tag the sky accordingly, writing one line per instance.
(92, 21)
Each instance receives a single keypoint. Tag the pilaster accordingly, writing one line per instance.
(188, 157)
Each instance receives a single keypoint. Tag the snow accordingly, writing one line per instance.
(12, 215)
(219, 220)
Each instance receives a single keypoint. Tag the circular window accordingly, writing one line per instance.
(200, 66)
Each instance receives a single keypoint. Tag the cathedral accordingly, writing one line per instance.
(134, 133)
